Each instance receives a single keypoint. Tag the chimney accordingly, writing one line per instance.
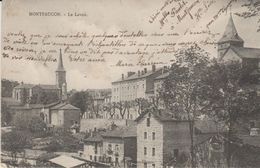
(153, 68)
(145, 70)
(122, 76)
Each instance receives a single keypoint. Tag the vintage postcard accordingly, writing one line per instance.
(130, 83)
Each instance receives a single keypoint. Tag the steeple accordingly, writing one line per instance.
(230, 38)
(60, 63)
(61, 77)
(230, 33)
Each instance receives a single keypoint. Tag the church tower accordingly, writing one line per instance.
(61, 78)
(229, 38)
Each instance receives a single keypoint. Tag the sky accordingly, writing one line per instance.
(106, 16)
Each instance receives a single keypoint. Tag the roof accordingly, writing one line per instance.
(163, 76)
(64, 106)
(245, 52)
(161, 115)
(67, 161)
(136, 76)
(60, 64)
(230, 33)
(30, 86)
(96, 138)
(48, 86)
(24, 86)
(121, 132)
(10, 101)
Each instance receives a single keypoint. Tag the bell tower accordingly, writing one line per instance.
(61, 76)
(229, 38)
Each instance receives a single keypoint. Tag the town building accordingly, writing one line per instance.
(120, 146)
(26, 93)
(160, 139)
(116, 147)
(135, 85)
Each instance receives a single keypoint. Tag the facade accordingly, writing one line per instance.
(231, 48)
(135, 85)
(160, 139)
(116, 147)
(24, 93)
(64, 115)
(93, 148)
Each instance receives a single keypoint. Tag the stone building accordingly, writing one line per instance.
(116, 147)
(160, 139)
(231, 48)
(135, 85)
(24, 93)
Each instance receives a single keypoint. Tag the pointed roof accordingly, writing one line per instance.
(230, 33)
(60, 64)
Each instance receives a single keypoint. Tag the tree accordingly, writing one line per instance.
(231, 99)
(36, 125)
(183, 90)
(5, 114)
(15, 142)
(7, 87)
(81, 100)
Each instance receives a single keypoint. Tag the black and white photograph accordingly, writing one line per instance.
(130, 84)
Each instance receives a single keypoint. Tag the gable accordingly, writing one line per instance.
(230, 55)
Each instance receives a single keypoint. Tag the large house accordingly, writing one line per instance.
(135, 85)
(160, 139)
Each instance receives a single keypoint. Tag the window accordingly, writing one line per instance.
(90, 157)
(153, 135)
(153, 165)
(148, 122)
(145, 151)
(145, 135)
(95, 158)
(153, 151)
(143, 85)
(145, 165)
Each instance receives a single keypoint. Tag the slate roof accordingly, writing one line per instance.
(30, 86)
(60, 64)
(24, 86)
(121, 132)
(97, 138)
(245, 52)
(162, 76)
(136, 76)
(160, 115)
(230, 33)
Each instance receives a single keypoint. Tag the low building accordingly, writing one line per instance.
(160, 139)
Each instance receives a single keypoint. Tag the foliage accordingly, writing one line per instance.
(7, 87)
(5, 114)
(183, 89)
(14, 142)
(36, 124)
(81, 100)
